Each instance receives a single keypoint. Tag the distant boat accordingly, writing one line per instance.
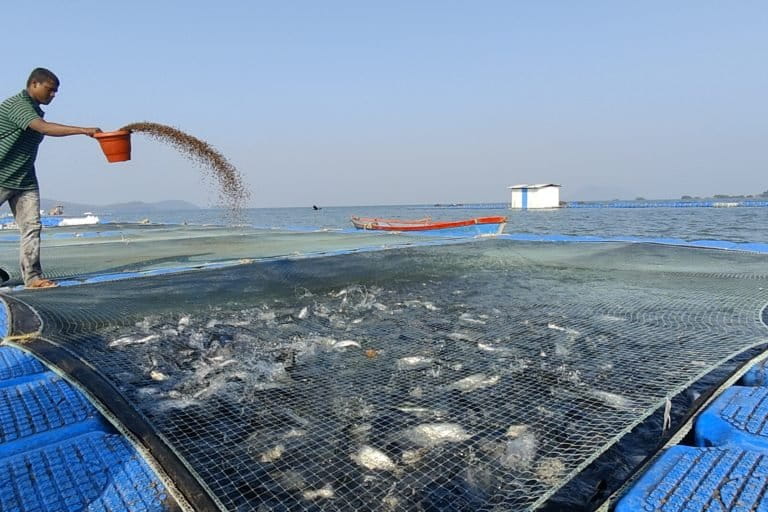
(473, 226)
(79, 221)
(53, 221)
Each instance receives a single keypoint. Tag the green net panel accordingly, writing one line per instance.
(113, 248)
(458, 377)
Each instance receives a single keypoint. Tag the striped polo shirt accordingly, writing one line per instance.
(18, 142)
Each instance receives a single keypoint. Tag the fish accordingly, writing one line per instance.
(174, 404)
(487, 347)
(612, 399)
(272, 454)
(425, 304)
(460, 336)
(566, 330)
(519, 450)
(422, 412)
(475, 382)
(374, 459)
(296, 418)
(157, 375)
(550, 469)
(432, 434)
(414, 362)
(611, 318)
(294, 432)
(326, 492)
(304, 312)
(128, 340)
(515, 431)
(412, 456)
(339, 345)
(390, 502)
(466, 317)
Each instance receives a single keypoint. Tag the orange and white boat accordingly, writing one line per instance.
(473, 226)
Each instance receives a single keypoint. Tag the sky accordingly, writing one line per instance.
(342, 103)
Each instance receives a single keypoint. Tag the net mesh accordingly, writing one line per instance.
(476, 376)
(110, 248)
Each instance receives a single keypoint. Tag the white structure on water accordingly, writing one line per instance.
(542, 195)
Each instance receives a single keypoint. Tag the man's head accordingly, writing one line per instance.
(42, 85)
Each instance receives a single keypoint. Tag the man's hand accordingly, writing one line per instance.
(60, 130)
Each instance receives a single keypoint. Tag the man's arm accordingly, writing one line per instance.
(60, 130)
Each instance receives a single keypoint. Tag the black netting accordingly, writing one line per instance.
(478, 376)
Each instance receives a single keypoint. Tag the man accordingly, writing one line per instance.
(22, 129)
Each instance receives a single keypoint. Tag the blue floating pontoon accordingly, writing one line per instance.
(689, 479)
(726, 470)
(58, 454)
(739, 417)
(756, 376)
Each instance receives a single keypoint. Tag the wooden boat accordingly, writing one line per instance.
(473, 226)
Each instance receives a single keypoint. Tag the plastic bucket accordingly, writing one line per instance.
(115, 145)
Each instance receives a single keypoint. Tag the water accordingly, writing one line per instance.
(731, 224)
(419, 379)
(452, 378)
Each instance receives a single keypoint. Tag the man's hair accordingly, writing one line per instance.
(42, 75)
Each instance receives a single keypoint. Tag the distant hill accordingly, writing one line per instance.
(139, 206)
(71, 208)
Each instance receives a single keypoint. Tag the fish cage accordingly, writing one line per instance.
(337, 371)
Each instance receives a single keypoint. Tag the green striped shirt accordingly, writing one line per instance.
(18, 142)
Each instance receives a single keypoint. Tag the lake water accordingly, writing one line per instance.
(741, 224)
(450, 378)
(458, 377)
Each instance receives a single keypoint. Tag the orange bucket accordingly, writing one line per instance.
(115, 145)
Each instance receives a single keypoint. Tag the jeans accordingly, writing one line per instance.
(25, 205)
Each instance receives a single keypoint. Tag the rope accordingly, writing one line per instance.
(21, 338)
(667, 424)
